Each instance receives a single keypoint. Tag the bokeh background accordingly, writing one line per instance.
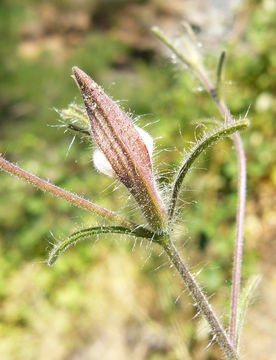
(108, 299)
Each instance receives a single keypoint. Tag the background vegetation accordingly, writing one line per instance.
(108, 298)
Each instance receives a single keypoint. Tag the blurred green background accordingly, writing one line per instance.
(109, 299)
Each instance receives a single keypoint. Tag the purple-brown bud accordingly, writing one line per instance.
(117, 137)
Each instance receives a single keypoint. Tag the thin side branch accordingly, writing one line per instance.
(63, 194)
(170, 45)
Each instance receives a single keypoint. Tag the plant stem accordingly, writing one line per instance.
(239, 236)
(63, 194)
(200, 300)
(241, 204)
(200, 72)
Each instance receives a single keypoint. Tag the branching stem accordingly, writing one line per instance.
(200, 73)
(240, 210)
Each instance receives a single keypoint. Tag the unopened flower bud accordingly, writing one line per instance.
(103, 165)
(121, 145)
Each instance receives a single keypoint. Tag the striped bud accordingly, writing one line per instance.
(103, 165)
(122, 145)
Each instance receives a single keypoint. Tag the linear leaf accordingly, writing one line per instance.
(244, 302)
(199, 147)
(85, 233)
(220, 68)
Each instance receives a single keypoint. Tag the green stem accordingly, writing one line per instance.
(200, 299)
(237, 266)
(201, 74)
(171, 46)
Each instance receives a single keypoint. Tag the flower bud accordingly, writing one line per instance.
(122, 145)
(103, 165)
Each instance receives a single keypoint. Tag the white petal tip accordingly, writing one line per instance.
(101, 163)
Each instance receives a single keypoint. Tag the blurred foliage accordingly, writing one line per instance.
(65, 310)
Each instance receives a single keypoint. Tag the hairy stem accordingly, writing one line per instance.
(63, 194)
(237, 267)
(200, 72)
(241, 205)
(200, 300)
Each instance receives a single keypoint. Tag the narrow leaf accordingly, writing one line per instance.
(78, 129)
(200, 146)
(220, 69)
(76, 114)
(85, 233)
(245, 299)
